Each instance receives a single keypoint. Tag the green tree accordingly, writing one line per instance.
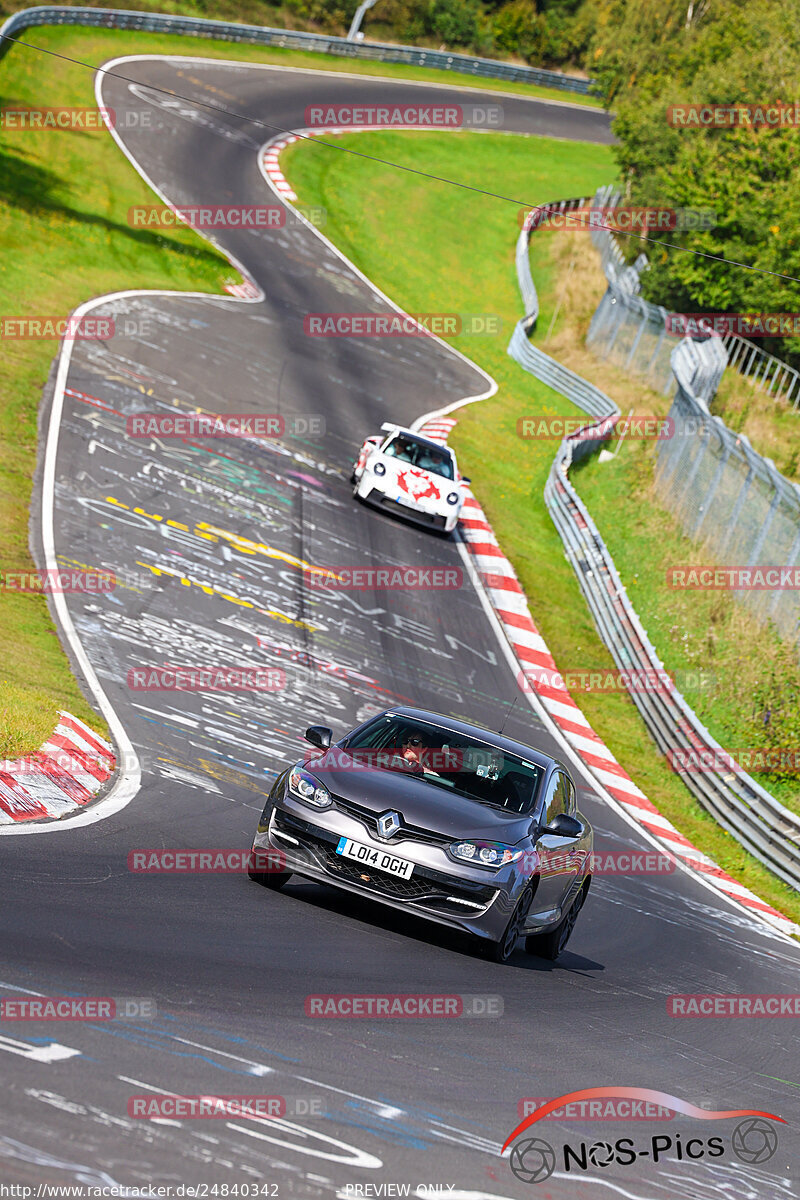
(648, 58)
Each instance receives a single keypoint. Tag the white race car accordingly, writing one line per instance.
(406, 473)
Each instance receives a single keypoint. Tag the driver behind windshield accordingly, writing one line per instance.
(401, 448)
(411, 750)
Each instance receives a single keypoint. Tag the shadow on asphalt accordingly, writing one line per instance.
(414, 928)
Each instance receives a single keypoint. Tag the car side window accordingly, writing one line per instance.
(557, 800)
(572, 806)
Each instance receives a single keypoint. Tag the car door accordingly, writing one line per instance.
(560, 857)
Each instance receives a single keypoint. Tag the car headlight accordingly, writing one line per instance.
(379, 469)
(453, 498)
(305, 787)
(485, 854)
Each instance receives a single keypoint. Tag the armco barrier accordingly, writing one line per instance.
(228, 31)
(741, 806)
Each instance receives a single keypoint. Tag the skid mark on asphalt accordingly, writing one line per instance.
(193, 528)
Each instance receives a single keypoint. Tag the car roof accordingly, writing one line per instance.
(478, 731)
(419, 437)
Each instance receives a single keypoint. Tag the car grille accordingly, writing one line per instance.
(425, 886)
(408, 833)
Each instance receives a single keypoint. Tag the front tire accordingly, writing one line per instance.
(550, 945)
(501, 951)
(269, 879)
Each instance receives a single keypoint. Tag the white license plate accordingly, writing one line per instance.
(379, 860)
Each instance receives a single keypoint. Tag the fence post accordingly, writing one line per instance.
(712, 489)
(637, 339)
(737, 509)
(791, 559)
(758, 545)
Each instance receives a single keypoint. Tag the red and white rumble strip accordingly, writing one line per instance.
(511, 606)
(60, 778)
(270, 158)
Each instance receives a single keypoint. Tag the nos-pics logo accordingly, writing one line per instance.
(532, 1159)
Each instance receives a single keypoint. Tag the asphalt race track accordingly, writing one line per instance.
(209, 542)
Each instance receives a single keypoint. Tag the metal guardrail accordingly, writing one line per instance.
(440, 60)
(624, 284)
(741, 806)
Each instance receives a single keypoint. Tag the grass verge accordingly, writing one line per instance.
(409, 239)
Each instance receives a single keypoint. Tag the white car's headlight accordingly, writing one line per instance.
(453, 498)
(379, 468)
(485, 854)
(305, 787)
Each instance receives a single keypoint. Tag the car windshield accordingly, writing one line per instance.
(458, 764)
(420, 454)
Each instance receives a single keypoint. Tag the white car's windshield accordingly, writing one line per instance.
(458, 764)
(420, 454)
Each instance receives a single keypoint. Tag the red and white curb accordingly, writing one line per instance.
(270, 161)
(60, 778)
(244, 291)
(539, 673)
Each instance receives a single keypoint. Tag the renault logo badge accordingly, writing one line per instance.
(389, 823)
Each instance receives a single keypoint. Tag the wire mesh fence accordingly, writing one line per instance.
(732, 502)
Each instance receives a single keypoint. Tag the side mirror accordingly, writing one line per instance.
(564, 826)
(465, 479)
(319, 735)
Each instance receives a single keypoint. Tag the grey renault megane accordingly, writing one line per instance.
(427, 814)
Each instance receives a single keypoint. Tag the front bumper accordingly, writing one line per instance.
(429, 518)
(476, 902)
